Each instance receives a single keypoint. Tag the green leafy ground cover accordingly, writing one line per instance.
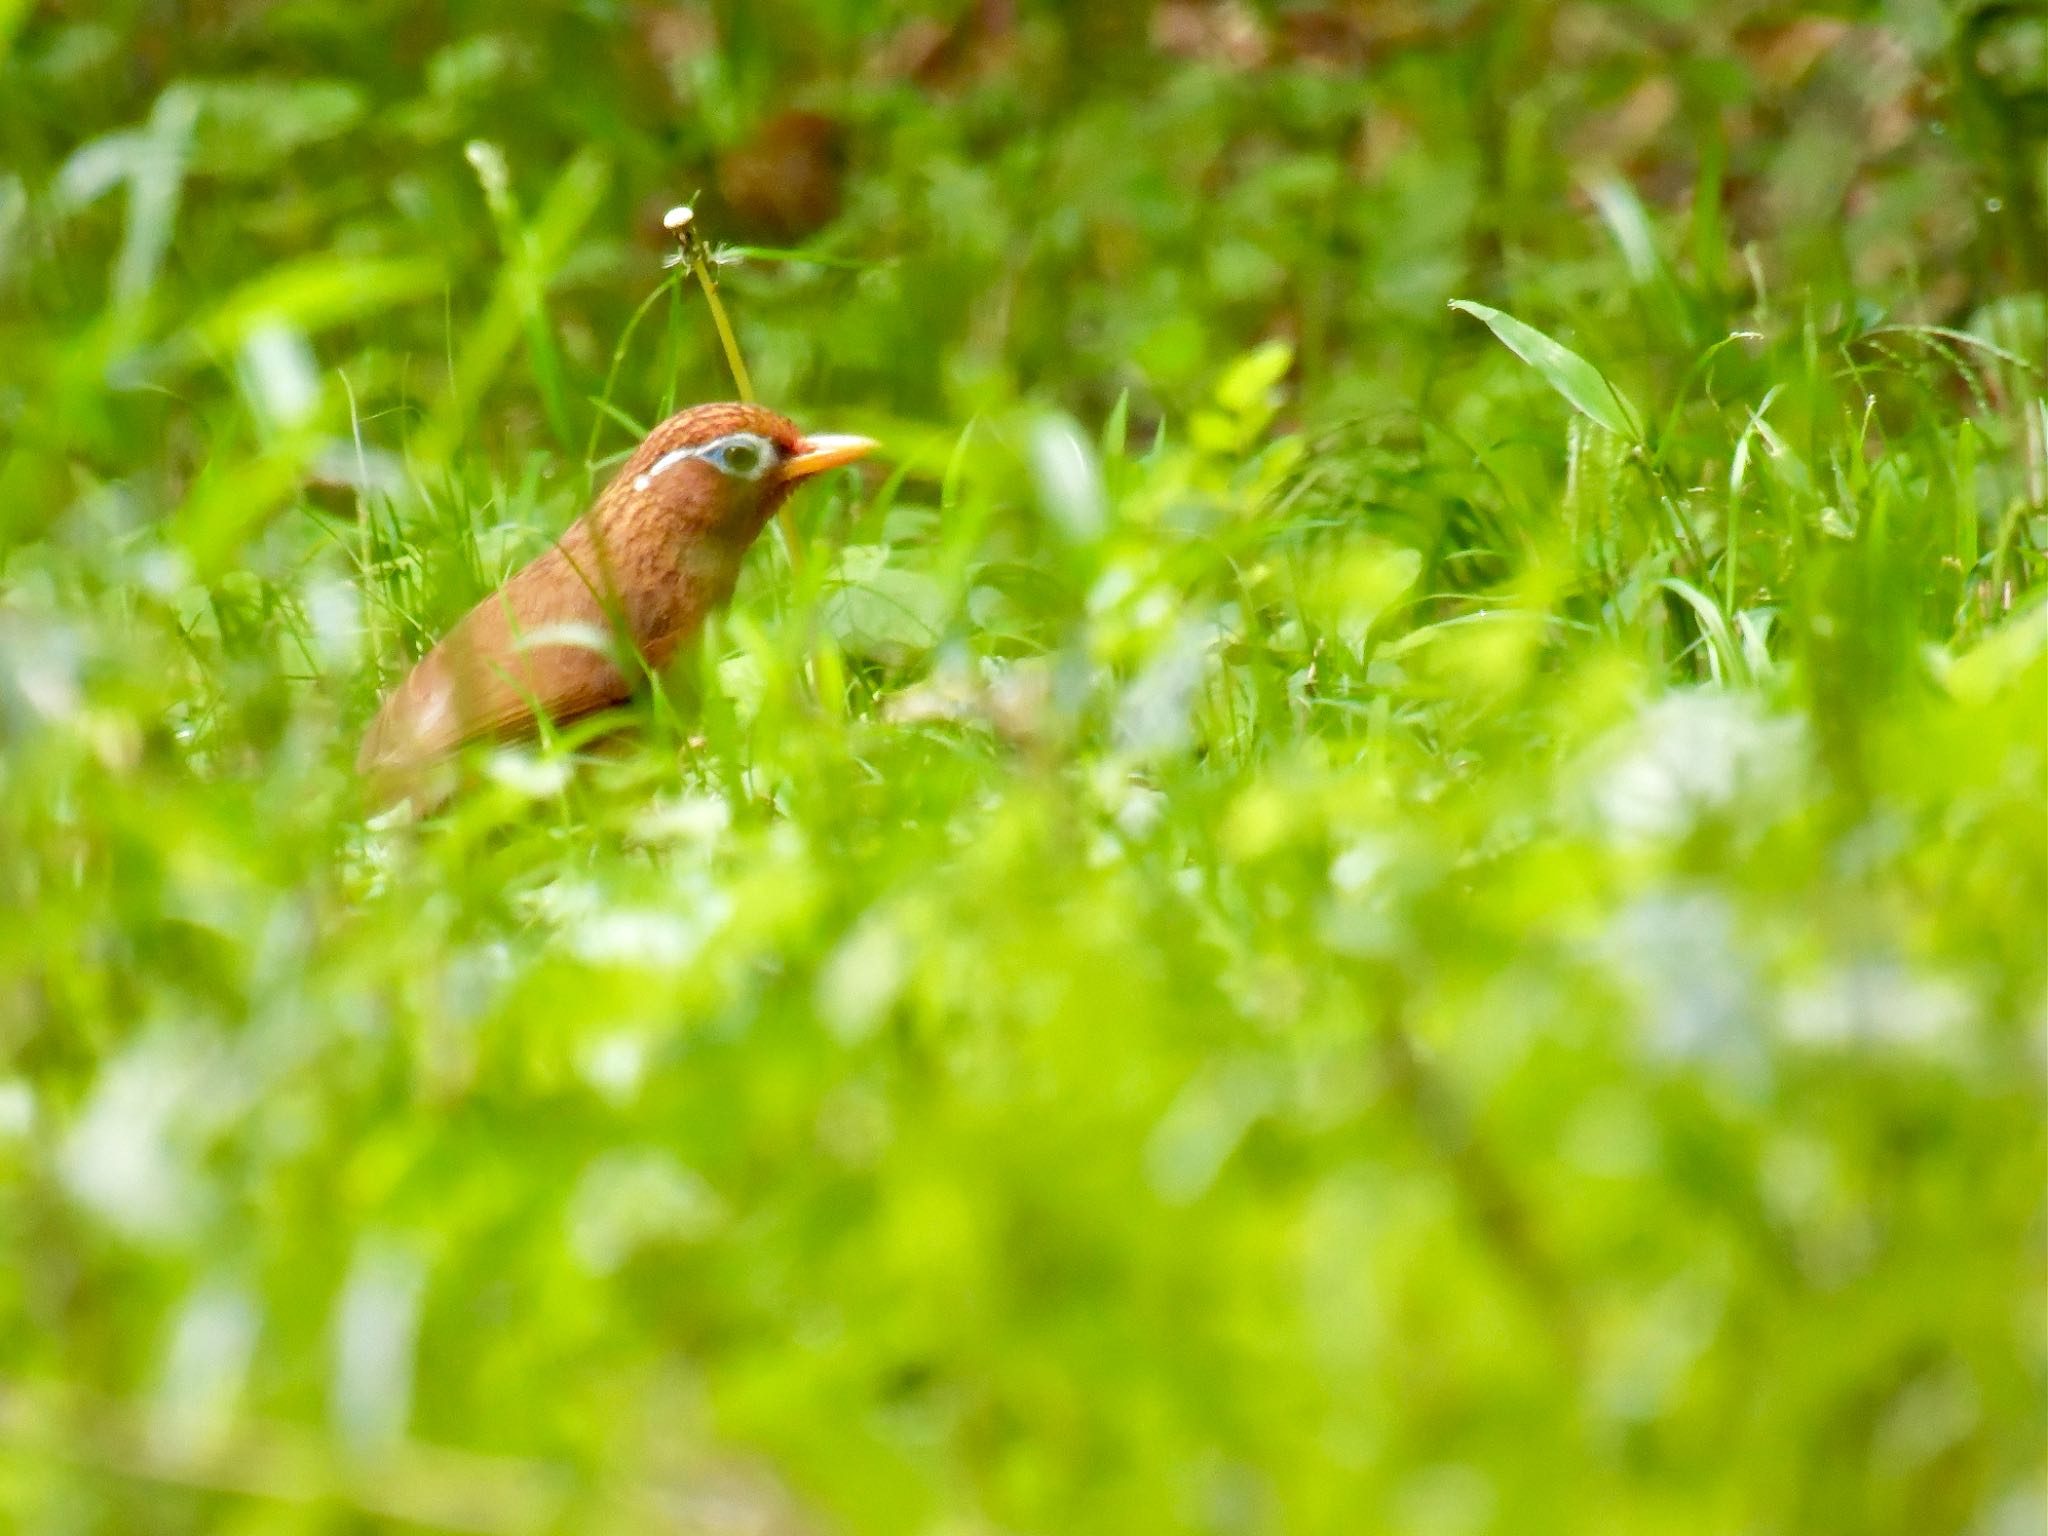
(1312, 912)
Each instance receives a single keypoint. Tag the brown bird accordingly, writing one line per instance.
(629, 582)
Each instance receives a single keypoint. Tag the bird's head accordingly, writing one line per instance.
(720, 471)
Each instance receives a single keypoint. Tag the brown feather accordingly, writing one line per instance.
(631, 580)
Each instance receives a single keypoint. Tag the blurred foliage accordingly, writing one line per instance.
(1314, 912)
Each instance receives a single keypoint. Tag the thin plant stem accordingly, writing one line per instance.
(682, 223)
(701, 265)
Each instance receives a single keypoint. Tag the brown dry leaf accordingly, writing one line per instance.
(1330, 38)
(672, 33)
(1893, 85)
(1383, 138)
(1784, 55)
(1016, 702)
(942, 55)
(1348, 37)
(784, 182)
(916, 51)
(1622, 136)
(1229, 33)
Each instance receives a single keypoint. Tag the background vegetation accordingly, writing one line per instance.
(1296, 920)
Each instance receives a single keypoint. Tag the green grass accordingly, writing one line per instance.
(1296, 920)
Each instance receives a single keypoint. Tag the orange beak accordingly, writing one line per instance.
(828, 450)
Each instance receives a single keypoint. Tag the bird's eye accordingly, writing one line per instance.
(743, 457)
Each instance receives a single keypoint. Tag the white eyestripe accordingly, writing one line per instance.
(720, 452)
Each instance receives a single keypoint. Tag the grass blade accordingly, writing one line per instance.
(1585, 386)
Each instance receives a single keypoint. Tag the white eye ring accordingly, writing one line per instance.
(742, 455)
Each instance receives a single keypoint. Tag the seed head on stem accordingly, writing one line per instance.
(681, 222)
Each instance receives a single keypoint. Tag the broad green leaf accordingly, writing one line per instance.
(11, 14)
(2006, 654)
(248, 127)
(156, 185)
(1246, 382)
(1068, 479)
(311, 295)
(1347, 591)
(874, 609)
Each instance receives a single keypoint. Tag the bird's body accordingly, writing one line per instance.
(631, 580)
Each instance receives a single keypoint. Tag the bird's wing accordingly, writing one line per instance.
(489, 678)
